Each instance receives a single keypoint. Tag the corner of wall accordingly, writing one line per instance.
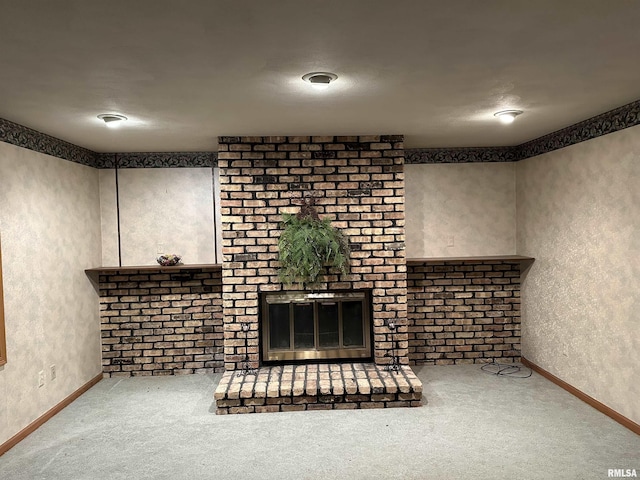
(577, 215)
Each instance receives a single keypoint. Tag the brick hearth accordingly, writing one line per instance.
(317, 387)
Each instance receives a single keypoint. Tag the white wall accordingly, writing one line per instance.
(579, 216)
(108, 218)
(162, 210)
(473, 204)
(50, 230)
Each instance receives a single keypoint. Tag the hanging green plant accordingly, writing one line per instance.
(308, 244)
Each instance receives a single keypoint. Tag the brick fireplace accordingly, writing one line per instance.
(207, 318)
(357, 182)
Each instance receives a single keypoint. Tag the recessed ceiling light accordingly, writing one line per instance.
(319, 80)
(507, 116)
(112, 120)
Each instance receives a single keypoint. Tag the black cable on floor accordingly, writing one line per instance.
(506, 370)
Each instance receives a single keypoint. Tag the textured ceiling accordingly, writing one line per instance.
(185, 72)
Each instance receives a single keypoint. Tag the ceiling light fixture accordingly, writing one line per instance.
(507, 116)
(112, 120)
(319, 80)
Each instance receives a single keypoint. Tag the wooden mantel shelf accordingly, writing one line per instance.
(151, 268)
(178, 268)
(490, 258)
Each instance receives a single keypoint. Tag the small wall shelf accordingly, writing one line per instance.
(490, 258)
(525, 262)
(151, 268)
(94, 273)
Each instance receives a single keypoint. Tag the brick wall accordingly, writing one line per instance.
(358, 183)
(463, 312)
(161, 322)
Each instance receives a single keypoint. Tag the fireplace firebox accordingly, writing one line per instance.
(316, 326)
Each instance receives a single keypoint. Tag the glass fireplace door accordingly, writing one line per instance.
(315, 326)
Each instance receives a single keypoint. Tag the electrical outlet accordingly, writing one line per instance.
(160, 249)
(41, 378)
(450, 240)
(52, 370)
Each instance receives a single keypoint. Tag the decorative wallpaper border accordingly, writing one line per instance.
(156, 160)
(26, 137)
(608, 122)
(460, 155)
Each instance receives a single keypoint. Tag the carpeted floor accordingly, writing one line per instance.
(473, 426)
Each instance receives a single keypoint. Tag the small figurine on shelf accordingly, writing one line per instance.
(168, 260)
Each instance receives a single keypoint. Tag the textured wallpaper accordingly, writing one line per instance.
(108, 217)
(50, 228)
(472, 205)
(162, 210)
(579, 216)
